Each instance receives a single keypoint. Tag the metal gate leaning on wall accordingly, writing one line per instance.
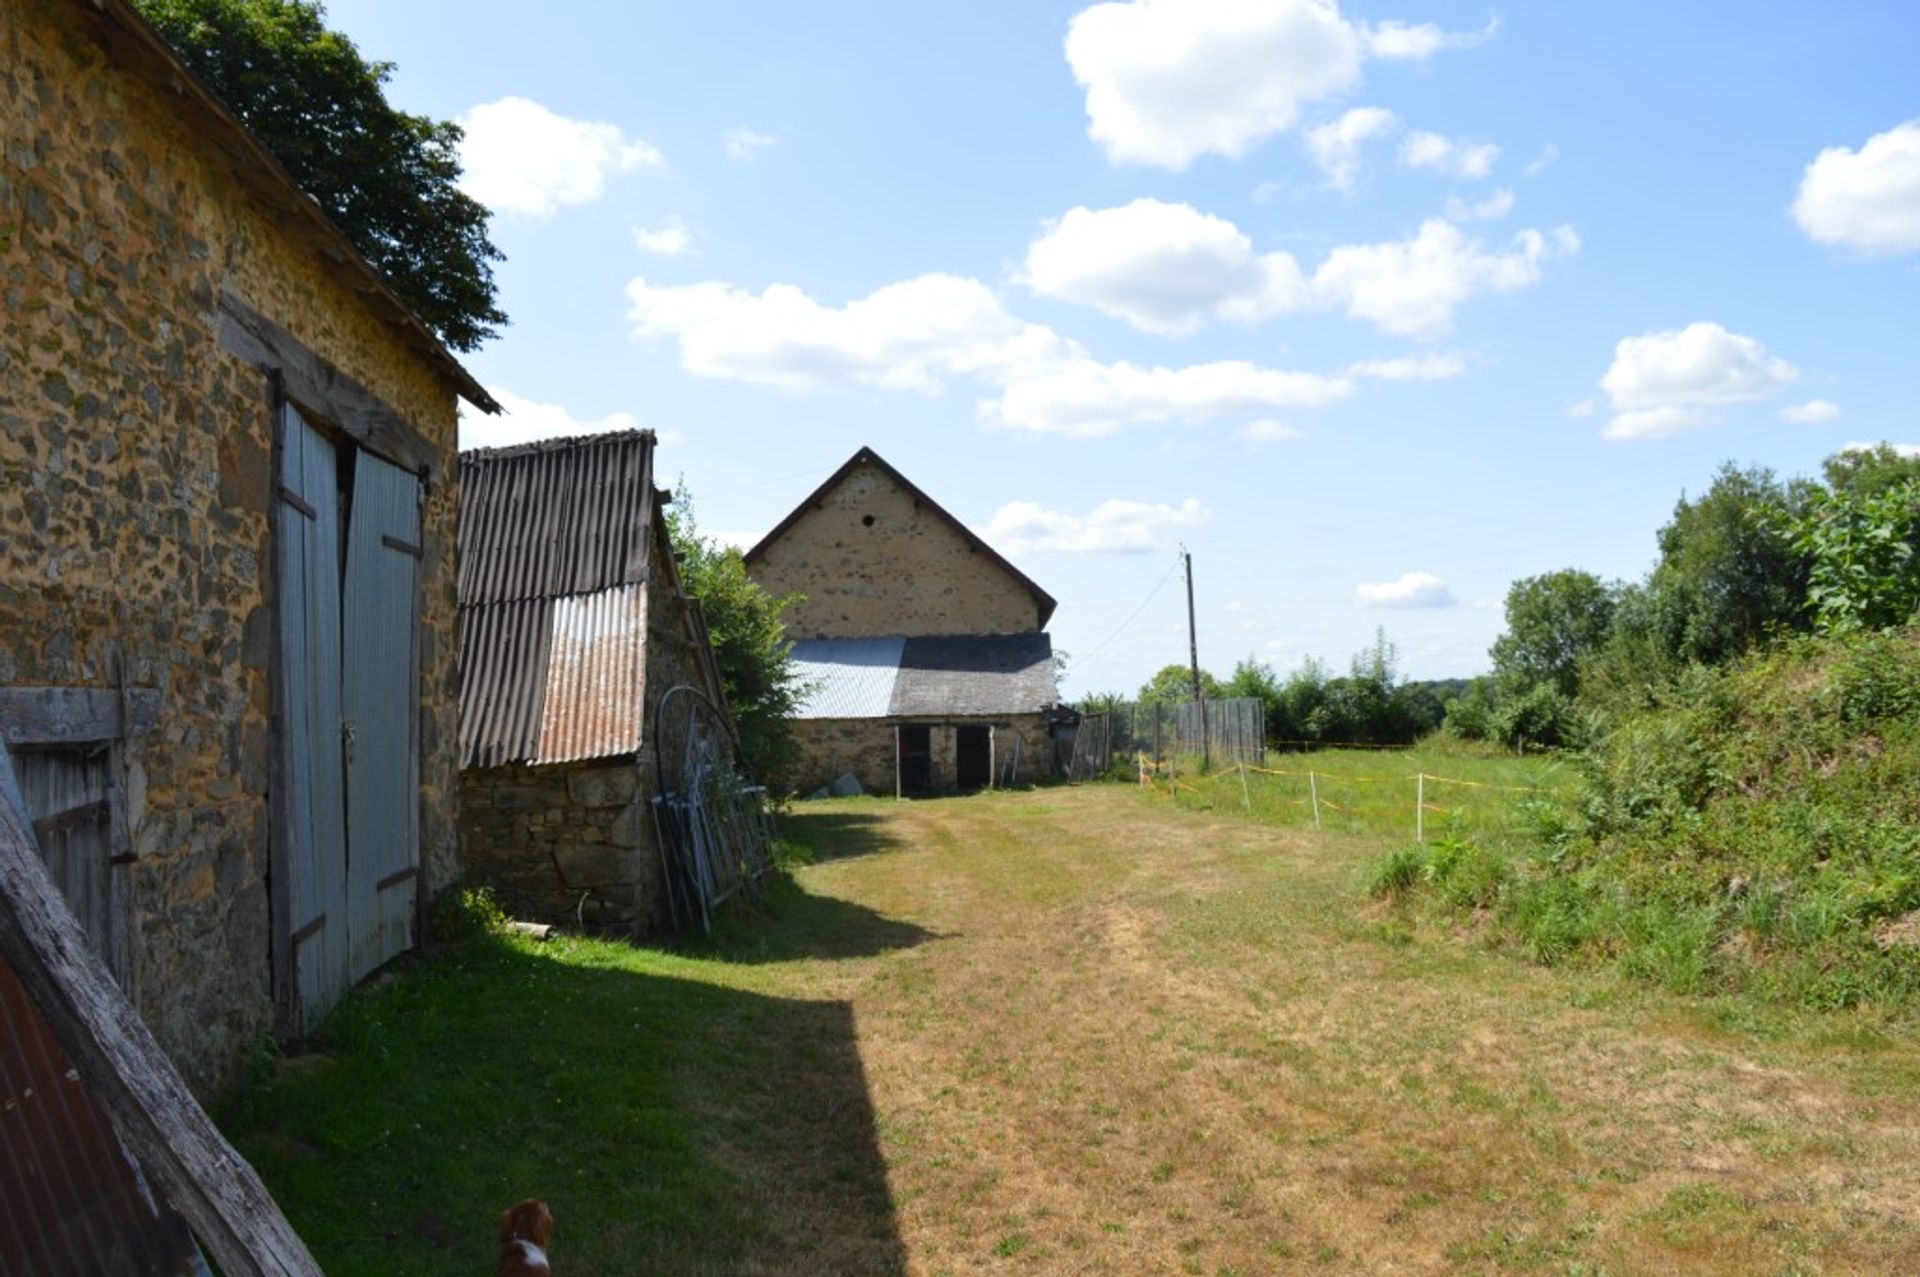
(346, 859)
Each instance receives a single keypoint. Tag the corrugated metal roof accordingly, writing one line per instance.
(850, 678)
(938, 677)
(593, 707)
(975, 674)
(553, 564)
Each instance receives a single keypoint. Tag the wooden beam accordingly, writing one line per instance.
(327, 394)
(75, 715)
(184, 1157)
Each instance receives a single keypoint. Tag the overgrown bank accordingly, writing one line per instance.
(1757, 828)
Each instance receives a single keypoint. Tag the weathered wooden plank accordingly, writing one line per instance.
(75, 715)
(325, 392)
(186, 1159)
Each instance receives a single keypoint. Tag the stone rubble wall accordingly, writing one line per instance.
(135, 494)
(905, 572)
(830, 747)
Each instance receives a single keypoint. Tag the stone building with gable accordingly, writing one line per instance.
(228, 491)
(574, 630)
(925, 650)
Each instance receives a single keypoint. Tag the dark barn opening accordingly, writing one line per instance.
(973, 757)
(916, 759)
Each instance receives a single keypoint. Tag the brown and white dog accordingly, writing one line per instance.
(525, 1230)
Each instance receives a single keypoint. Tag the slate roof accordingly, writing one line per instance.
(957, 675)
(553, 577)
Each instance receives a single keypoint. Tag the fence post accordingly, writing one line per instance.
(1173, 777)
(1420, 807)
(1313, 788)
(1245, 797)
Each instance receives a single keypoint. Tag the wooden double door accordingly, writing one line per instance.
(346, 813)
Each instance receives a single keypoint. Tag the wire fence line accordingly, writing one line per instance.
(1227, 730)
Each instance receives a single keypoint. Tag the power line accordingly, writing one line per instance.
(1151, 595)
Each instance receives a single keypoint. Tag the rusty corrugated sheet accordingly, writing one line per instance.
(70, 1204)
(593, 701)
(553, 554)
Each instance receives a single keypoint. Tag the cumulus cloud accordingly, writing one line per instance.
(1412, 589)
(1490, 209)
(1257, 434)
(1867, 199)
(1450, 156)
(1112, 527)
(1086, 398)
(1403, 41)
(1903, 449)
(523, 420)
(1167, 268)
(1336, 146)
(1438, 366)
(1678, 379)
(1164, 268)
(670, 239)
(1169, 80)
(521, 159)
(1411, 287)
(743, 143)
(1813, 412)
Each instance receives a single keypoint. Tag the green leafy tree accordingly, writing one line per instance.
(1864, 572)
(387, 179)
(1173, 685)
(749, 645)
(1555, 623)
(1253, 680)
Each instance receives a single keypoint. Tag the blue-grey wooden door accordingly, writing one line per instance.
(312, 775)
(380, 703)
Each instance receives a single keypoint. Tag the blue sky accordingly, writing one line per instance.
(1376, 308)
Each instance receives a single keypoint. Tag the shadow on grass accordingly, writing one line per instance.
(830, 830)
(674, 1126)
(785, 922)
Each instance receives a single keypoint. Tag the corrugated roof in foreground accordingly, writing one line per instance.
(957, 675)
(553, 565)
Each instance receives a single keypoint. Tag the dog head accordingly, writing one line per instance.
(528, 1221)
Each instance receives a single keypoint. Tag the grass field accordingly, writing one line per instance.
(1086, 1031)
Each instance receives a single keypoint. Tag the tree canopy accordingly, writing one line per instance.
(387, 179)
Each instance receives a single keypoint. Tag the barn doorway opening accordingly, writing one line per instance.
(916, 759)
(973, 757)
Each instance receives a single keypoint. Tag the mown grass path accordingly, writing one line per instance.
(1081, 1031)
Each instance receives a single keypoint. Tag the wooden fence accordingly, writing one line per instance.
(1215, 730)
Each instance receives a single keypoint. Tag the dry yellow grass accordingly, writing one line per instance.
(1143, 1040)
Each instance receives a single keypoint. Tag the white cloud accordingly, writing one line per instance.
(742, 143)
(1490, 209)
(1903, 449)
(1167, 268)
(1662, 382)
(1413, 589)
(1169, 80)
(909, 335)
(1448, 155)
(1548, 154)
(1867, 199)
(1085, 398)
(1112, 527)
(670, 239)
(1336, 146)
(1164, 268)
(1585, 408)
(1411, 287)
(1408, 42)
(1234, 605)
(1813, 412)
(1438, 366)
(522, 159)
(523, 420)
(1257, 433)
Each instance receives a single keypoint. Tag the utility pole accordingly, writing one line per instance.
(1193, 655)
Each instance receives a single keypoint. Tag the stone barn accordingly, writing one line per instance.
(228, 673)
(573, 629)
(926, 650)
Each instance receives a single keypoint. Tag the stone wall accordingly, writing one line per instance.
(135, 490)
(565, 843)
(870, 560)
(864, 746)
